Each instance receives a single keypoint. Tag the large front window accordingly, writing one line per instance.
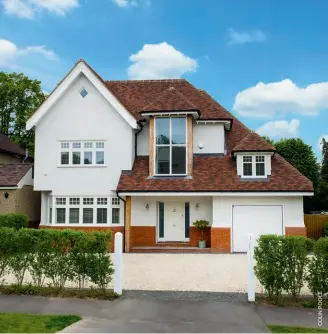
(170, 143)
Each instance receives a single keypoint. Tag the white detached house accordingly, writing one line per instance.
(150, 157)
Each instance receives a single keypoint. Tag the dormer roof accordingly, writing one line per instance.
(253, 143)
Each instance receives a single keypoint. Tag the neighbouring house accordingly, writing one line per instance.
(16, 181)
(150, 157)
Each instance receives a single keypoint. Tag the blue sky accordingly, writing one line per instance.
(266, 61)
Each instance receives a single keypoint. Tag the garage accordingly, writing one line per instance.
(255, 219)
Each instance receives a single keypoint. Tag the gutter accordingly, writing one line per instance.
(124, 201)
(135, 139)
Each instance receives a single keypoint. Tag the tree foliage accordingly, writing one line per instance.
(19, 98)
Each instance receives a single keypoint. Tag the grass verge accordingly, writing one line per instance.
(290, 329)
(34, 323)
(32, 290)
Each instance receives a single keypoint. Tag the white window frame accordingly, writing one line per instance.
(170, 145)
(52, 203)
(253, 162)
(81, 150)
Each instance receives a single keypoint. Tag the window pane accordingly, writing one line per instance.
(178, 160)
(88, 145)
(50, 215)
(162, 130)
(101, 216)
(64, 145)
(74, 201)
(161, 220)
(247, 159)
(260, 169)
(64, 158)
(87, 216)
(74, 215)
(163, 160)
(100, 144)
(76, 145)
(100, 157)
(260, 158)
(187, 219)
(102, 201)
(247, 169)
(115, 201)
(87, 158)
(61, 200)
(179, 130)
(115, 215)
(88, 201)
(60, 215)
(76, 158)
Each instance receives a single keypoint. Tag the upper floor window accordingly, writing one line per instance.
(253, 165)
(79, 153)
(170, 145)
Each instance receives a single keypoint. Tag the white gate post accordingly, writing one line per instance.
(251, 274)
(118, 263)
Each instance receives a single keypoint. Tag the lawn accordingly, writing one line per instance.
(34, 323)
(290, 329)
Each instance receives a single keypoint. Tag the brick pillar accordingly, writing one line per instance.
(220, 240)
(127, 236)
(301, 230)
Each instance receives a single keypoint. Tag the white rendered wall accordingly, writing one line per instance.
(140, 216)
(77, 118)
(293, 215)
(211, 135)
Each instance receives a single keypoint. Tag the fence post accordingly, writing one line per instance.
(251, 274)
(118, 263)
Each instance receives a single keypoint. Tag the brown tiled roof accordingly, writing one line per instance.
(136, 94)
(215, 174)
(7, 145)
(253, 142)
(169, 100)
(11, 174)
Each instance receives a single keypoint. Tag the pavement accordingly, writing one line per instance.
(147, 313)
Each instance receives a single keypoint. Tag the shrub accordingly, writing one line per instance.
(14, 220)
(269, 267)
(6, 248)
(201, 225)
(325, 230)
(317, 277)
(295, 250)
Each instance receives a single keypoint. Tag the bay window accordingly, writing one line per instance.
(85, 210)
(170, 145)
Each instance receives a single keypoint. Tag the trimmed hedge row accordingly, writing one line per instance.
(58, 255)
(284, 263)
(14, 220)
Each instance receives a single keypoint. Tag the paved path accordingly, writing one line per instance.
(129, 314)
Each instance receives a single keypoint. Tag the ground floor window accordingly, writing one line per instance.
(86, 210)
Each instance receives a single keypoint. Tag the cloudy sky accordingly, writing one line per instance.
(266, 61)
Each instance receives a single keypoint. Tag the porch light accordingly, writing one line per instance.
(201, 145)
(147, 206)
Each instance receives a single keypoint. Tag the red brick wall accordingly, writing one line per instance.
(220, 240)
(296, 231)
(194, 235)
(92, 229)
(143, 236)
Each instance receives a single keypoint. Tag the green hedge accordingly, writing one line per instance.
(325, 230)
(14, 220)
(286, 263)
(58, 255)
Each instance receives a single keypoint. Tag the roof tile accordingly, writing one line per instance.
(11, 174)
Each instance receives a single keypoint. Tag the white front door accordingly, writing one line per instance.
(174, 222)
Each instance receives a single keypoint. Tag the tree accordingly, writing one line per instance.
(324, 161)
(301, 156)
(19, 98)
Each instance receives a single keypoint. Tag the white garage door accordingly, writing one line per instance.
(255, 219)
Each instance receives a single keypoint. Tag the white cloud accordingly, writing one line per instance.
(131, 3)
(243, 37)
(320, 141)
(158, 61)
(266, 100)
(28, 8)
(280, 129)
(49, 54)
(9, 52)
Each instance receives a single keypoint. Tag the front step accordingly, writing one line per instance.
(170, 249)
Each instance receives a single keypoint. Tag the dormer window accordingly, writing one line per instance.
(170, 146)
(253, 165)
